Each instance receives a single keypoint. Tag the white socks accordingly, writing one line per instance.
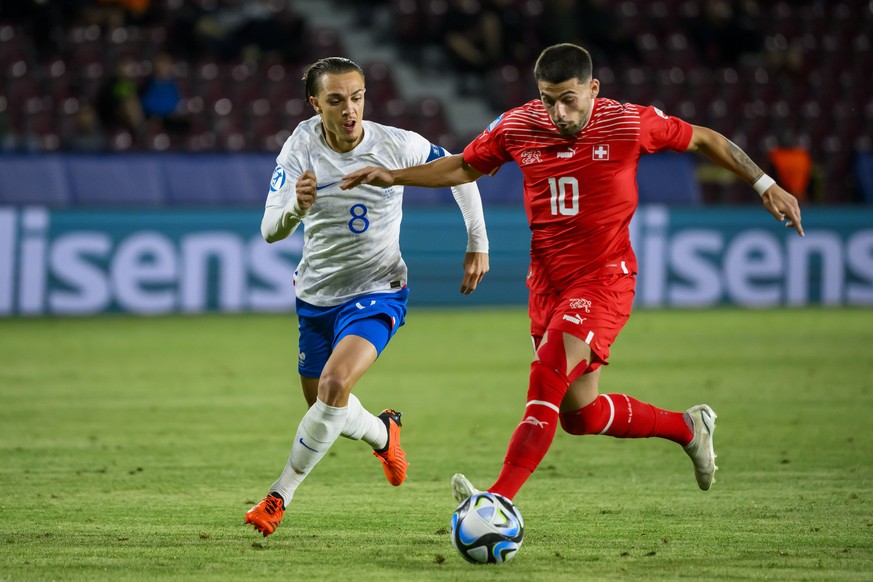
(321, 426)
(319, 429)
(361, 425)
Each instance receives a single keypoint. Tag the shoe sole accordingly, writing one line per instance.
(462, 488)
(260, 520)
(707, 416)
(260, 527)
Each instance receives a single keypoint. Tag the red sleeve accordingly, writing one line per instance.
(486, 153)
(659, 131)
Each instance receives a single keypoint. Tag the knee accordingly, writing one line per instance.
(546, 384)
(586, 420)
(553, 354)
(333, 389)
(569, 422)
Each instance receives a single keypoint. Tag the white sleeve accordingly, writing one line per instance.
(466, 195)
(282, 215)
(470, 202)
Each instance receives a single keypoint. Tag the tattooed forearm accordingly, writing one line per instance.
(725, 153)
(745, 165)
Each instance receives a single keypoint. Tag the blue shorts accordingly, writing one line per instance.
(374, 317)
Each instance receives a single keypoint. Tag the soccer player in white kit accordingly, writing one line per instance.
(351, 281)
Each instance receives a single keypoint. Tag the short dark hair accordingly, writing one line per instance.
(561, 62)
(332, 65)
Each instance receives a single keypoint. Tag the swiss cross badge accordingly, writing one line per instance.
(600, 152)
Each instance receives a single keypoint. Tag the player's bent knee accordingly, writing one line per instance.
(590, 419)
(552, 354)
(546, 384)
(571, 424)
(333, 389)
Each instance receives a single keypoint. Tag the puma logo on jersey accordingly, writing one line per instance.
(568, 154)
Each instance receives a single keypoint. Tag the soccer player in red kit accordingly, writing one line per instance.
(578, 155)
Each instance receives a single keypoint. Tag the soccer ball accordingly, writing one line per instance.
(487, 529)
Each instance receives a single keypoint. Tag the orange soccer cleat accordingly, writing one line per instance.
(392, 456)
(266, 515)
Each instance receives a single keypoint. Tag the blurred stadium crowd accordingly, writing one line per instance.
(223, 75)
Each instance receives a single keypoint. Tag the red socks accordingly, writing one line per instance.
(621, 416)
(534, 434)
(616, 415)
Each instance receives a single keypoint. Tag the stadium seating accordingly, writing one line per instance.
(809, 78)
(236, 105)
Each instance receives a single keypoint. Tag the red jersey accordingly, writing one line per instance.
(580, 191)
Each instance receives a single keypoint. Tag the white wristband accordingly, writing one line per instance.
(762, 183)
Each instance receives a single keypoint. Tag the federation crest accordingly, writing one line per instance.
(530, 157)
(579, 303)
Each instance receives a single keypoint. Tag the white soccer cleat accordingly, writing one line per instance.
(700, 448)
(462, 488)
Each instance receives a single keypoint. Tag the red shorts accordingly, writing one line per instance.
(594, 311)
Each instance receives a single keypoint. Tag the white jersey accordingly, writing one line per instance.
(351, 238)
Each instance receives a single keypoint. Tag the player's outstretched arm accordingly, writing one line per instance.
(722, 151)
(476, 258)
(373, 175)
(446, 171)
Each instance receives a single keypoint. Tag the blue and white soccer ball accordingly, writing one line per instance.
(487, 529)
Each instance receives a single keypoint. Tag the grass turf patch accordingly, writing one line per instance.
(132, 447)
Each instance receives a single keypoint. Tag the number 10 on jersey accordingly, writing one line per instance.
(562, 203)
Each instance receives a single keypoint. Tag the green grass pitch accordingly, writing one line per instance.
(130, 448)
